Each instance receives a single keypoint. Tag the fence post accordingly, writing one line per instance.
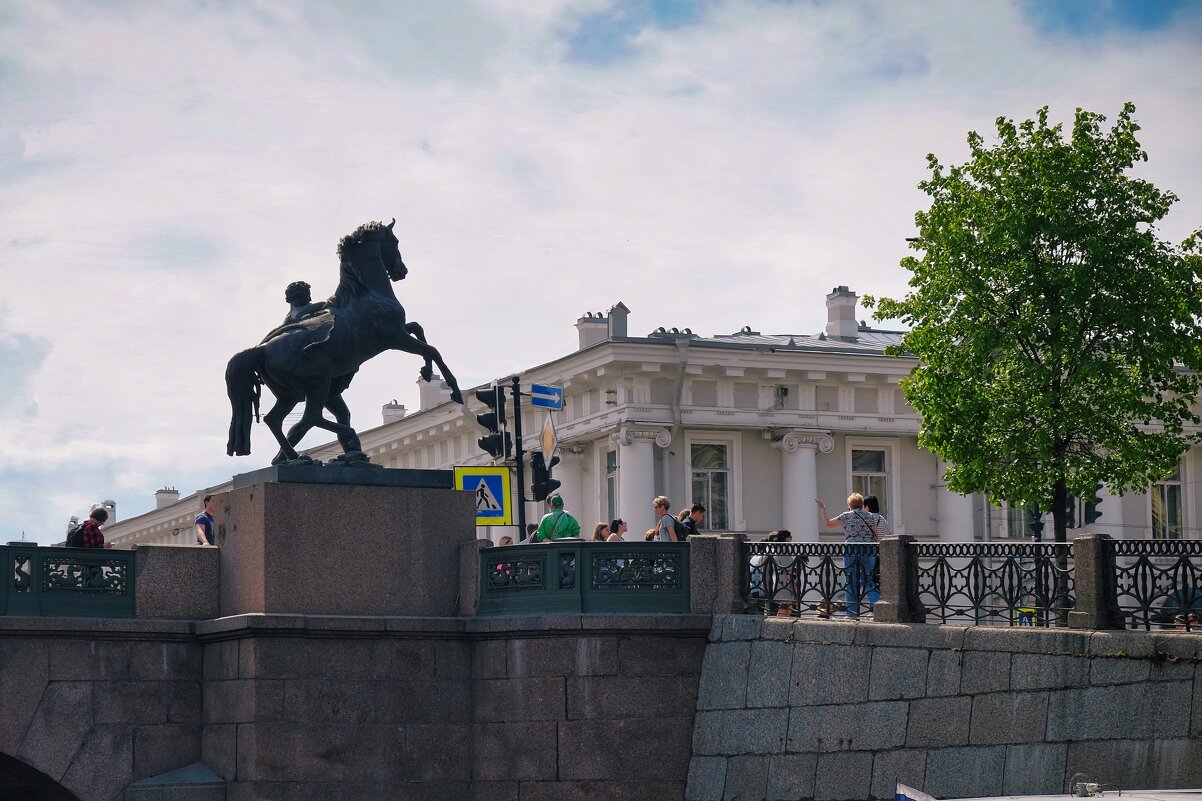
(728, 574)
(899, 601)
(469, 576)
(1097, 604)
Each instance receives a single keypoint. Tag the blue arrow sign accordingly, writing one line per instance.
(546, 397)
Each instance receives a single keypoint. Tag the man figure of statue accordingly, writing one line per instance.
(300, 301)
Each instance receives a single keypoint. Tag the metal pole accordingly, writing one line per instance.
(519, 454)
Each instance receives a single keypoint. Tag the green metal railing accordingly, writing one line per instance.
(576, 576)
(66, 582)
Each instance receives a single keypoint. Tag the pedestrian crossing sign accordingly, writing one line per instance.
(491, 488)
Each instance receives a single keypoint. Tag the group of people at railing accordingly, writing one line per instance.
(560, 524)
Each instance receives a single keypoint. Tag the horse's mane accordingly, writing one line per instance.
(349, 281)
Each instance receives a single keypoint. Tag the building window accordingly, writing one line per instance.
(709, 464)
(869, 475)
(1166, 507)
(611, 484)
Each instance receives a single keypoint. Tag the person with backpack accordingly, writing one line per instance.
(668, 528)
(88, 533)
(859, 531)
(556, 524)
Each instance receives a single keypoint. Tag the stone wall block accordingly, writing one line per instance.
(513, 700)
(791, 776)
(24, 665)
(220, 660)
(183, 700)
(843, 776)
(848, 727)
(594, 791)
(1131, 711)
(724, 676)
(910, 635)
(515, 751)
(630, 697)
(88, 660)
(1168, 763)
(828, 632)
(129, 702)
(1011, 717)
(158, 749)
(219, 748)
(826, 674)
(177, 583)
(562, 656)
(598, 750)
(59, 727)
(703, 574)
(1195, 727)
(469, 576)
(737, 628)
(985, 672)
(156, 661)
(964, 772)
(488, 659)
(939, 722)
(452, 660)
(352, 659)
(1043, 671)
(435, 751)
(1124, 669)
(740, 731)
(104, 763)
(769, 674)
(1035, 769)
(891, 767)
(494, 791)
(898, 673)
(300, 751)
(1026, 640)
(943, 672)
(651, 656)
(746, 777)
(707, 779)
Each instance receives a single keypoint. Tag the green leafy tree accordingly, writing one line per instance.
(1057, 334)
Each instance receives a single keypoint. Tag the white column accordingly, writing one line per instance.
(636, 475)
(799, 481)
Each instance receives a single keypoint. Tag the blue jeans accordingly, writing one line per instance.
(858, 563)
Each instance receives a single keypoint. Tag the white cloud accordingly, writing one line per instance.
(166, 172)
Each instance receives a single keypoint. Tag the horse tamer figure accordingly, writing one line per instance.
(312, 359)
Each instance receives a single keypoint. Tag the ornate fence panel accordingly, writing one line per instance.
(68, 582)
(810, 579)
(576, 576)
(995, 583)
(1158, 583)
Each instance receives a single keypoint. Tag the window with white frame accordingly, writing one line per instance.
(1166, 507)
(870, 475)
(611, 484)
(710, 482)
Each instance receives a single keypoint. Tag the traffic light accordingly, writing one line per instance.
(497, 442)
(1092, 512)
(1070, 512)
(541, 483)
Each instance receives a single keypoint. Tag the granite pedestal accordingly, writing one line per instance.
(309, 541)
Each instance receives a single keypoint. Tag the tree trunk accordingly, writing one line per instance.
(1060, 595)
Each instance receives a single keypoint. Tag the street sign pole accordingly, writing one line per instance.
(519, 455)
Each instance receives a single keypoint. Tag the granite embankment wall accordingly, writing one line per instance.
(831, 711)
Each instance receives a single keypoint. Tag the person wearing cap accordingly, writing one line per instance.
(556, 524)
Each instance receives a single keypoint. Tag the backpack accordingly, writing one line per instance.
(682, 531)
(75, 536)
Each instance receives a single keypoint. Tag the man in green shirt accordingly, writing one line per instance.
(557, 523)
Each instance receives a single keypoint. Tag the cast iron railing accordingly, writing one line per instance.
(1158, 583)
(995, 583)
(577, 576)
(810, 579)
(67, 582)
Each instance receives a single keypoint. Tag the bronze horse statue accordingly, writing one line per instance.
(313, 359)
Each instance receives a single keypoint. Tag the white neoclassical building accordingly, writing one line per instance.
(754, 426)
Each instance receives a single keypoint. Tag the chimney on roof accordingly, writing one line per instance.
(393, 411)
(841, 314)
(165, 497)
(593, 327)
(433, 392)
(617, 320)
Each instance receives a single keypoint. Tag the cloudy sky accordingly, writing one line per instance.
(167, 168)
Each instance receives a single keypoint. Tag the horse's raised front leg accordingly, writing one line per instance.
(427, 371)
(411, 344)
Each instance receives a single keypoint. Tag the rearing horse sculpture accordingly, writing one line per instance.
(314, 359)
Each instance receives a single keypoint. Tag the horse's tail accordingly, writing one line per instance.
(243, 383)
